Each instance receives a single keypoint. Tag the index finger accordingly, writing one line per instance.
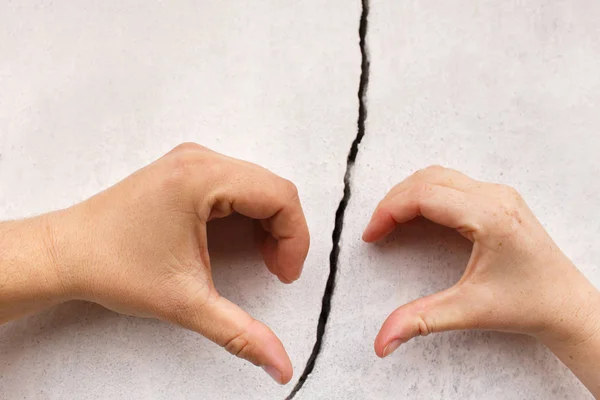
(259, 194)
(439, 204)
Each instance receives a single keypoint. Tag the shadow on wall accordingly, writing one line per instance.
(435, 254)
(421, 258)
(237, 265)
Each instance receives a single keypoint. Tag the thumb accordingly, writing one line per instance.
(443, 311)
(229, 326)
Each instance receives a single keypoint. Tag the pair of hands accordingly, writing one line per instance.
(140, 248)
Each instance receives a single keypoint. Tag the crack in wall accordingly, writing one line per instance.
(341, 210)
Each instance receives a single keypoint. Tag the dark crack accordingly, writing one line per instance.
(341, 210)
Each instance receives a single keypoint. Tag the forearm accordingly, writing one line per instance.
(29, 281)
(576, 340)
(584, 360)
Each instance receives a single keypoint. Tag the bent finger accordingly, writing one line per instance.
(439, 204)
(437, 175)
(257, 193)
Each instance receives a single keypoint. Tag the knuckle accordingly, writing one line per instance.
(421, 190)
(240, 345)
(290, 189)
(435, 168)
(185, 161)
(509, 200)
(428, 172)
(182, 161)
(418, 174)
(495, 189)
(512, 192)
(186, 147)
(508, 219)
(512, 204)
(278, 191)
(271, 192)
(508, 193)
(417, 193)
(178, 169)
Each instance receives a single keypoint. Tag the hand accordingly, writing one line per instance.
(517, 279)
(140, 247)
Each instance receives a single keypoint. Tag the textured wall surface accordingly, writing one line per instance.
(504, 91)
(92, 91)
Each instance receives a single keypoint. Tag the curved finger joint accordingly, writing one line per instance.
(422, 191)
(424, 173)
(290, 189)
(425, 326)
(188, 146)
(240, 345)
(435, 168)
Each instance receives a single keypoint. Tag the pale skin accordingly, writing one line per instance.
(140, 248)
(517, 279)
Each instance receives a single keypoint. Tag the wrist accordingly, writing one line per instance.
(575, 337)
(66, 244)
(27, 269)
(577, 319)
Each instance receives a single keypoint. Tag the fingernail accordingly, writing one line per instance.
(273, 373)
(391, 347)
(285, 280)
